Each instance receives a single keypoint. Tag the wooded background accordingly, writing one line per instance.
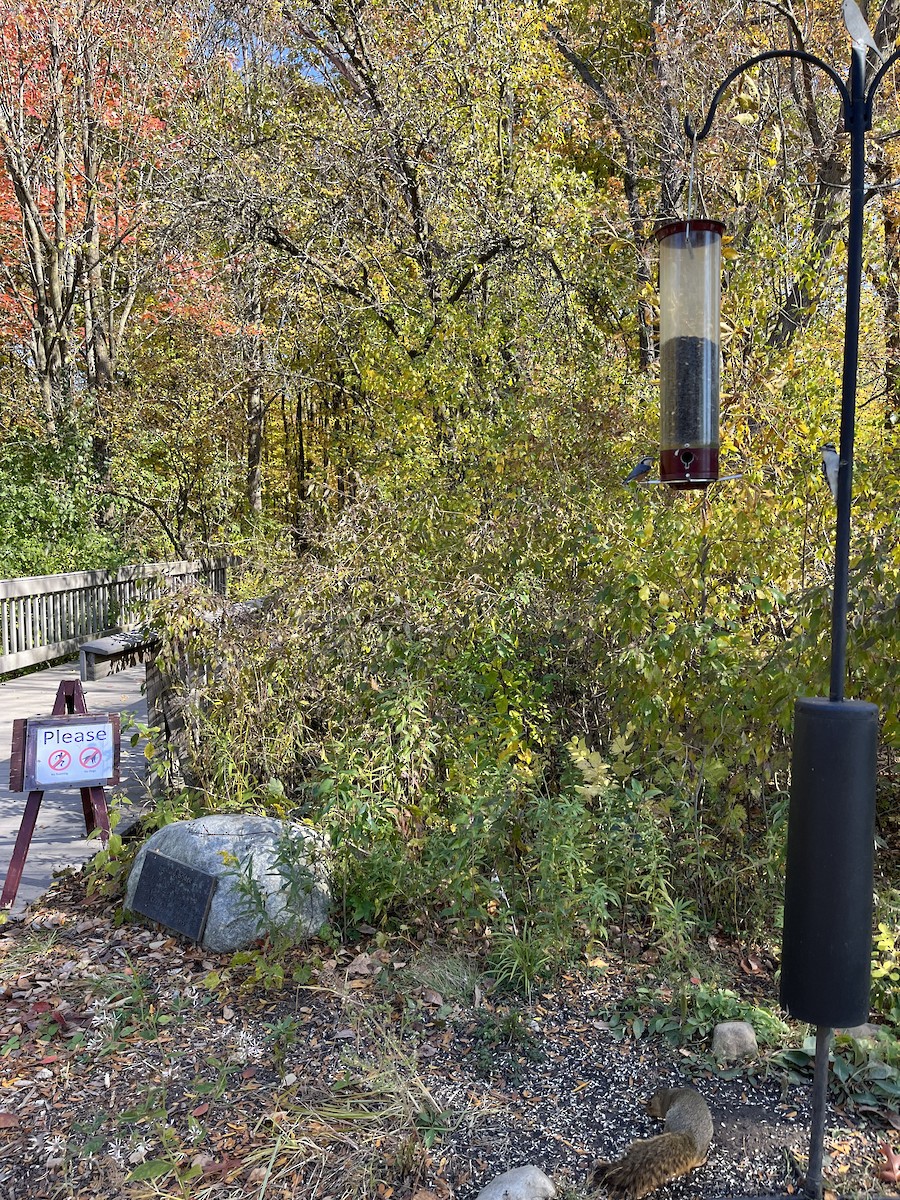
(366, 293)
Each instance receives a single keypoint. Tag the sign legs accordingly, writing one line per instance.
(23, 841)
(96, 816)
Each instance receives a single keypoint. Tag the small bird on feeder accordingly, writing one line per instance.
(644, 467)
(860, 33)
(831, 462)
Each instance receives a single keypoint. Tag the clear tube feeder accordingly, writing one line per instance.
(690, 290)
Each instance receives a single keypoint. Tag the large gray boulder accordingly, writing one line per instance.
(270, 874)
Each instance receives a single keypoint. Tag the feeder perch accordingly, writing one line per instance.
(690, 259)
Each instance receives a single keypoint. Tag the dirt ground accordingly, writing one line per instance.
(133, 1064)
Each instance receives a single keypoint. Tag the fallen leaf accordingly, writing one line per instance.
(363, 964)
(8, 1120)
(225, 1167)
(890, 1173)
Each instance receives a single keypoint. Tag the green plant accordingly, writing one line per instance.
(507, 1034)
(521, 960)
(862, 1073)
(432, 1125)
(279, 922)
(282, 1035)
(688, 1015)
(107, 871)
(150, 1107)
(133, 1009)
(886, 966)
(156, 755)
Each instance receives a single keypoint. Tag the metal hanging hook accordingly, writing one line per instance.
(691, 175)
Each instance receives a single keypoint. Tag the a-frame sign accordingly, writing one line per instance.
(70, 748)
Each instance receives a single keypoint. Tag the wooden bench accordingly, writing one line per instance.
(105, 655)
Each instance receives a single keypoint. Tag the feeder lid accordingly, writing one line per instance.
(669, 227)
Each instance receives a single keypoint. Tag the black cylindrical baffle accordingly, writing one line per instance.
(827, 943)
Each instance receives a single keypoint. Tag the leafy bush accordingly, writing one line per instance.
(512, 717)
(886, 967)
(688, 1015)
(48, 509)
(862, 1074)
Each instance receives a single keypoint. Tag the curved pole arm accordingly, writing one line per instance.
(873, 86)
(770, 54)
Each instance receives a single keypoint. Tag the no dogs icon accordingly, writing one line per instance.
(91, 758)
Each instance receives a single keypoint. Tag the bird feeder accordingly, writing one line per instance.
(690, 258)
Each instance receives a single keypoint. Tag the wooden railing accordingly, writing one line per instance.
(49, 616)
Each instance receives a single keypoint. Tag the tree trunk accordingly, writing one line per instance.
(255, 402)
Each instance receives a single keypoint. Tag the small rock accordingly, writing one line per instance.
(521, 1183)
(866, 1032)
(733, 1040)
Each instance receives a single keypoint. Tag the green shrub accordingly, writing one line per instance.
(515, 719)
(886, 965)
(688, 1014)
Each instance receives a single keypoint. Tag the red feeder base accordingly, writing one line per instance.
(689, 467)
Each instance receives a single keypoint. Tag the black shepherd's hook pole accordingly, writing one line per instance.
(857, 119)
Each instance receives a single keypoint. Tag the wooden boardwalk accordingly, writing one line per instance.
(59, 838)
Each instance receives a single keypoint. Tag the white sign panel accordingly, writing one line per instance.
(71, 752)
